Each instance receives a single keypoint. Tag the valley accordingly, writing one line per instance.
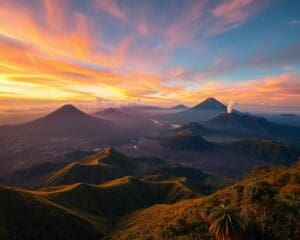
(113, 175)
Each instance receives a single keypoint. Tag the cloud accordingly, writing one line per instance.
(112, 8)
(60, 51)
(281, 57)
(294, 22)
(232, 11)
(275, 89)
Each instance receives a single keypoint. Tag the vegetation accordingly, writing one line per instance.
(25, 216)
(225, 223)
(98, 168)
(161, 206)
(266, 150)
(109, 164)
(265, 205)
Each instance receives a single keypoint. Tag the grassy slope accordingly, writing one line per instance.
(110, 164)
(24, 215)
(183, 220)
(105, 204)
(134, 209)
(103, 166)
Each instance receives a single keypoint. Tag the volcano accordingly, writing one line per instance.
(246, 124)
(203, 111)
(210, 104)
(66, 121)
(179, 107)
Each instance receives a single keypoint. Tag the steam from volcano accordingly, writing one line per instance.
(230, 106)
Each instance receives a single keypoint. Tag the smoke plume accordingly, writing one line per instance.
(230, 106)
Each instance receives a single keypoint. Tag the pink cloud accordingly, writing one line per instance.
(113, 9)
(233, 11)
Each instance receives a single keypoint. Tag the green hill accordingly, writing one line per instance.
(25, 215)
(103, 166)
(80, 211)
(194, 179)
(104, 204)
(109, 164)
(269, 151)
(268, 202)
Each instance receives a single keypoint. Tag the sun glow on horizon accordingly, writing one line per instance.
(66, 51)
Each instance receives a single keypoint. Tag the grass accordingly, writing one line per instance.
(183, 220)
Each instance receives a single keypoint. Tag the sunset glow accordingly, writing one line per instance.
(149, 52)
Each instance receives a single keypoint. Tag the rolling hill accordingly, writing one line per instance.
(266, 150)
(63, 212)
(31, 177)
(109, 164)
(135, 209)
(186, 141)
(104, 205)
(267, 202)
(27, 216)
(105, 165)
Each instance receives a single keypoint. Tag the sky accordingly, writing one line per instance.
(109, 52)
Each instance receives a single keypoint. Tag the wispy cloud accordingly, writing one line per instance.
(294, 22)
(112, 8)
(157, 52)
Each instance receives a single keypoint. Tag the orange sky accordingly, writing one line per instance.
(54, 52)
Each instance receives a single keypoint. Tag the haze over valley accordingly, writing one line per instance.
(149, 120)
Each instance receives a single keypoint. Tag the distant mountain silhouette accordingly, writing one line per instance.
(193, 128)
(240, 123)
(110, 111)
(66, 121)
(114, 115)
(179, 107)
(236, 123)
(186, 141)
(203, 111)
(289, 115)
(66, 129)
(210, 104)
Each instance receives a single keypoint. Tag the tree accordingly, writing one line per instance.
(225, 223)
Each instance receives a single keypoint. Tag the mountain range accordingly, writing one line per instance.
(65, 121)
(109, 164)
(64, 130)
(132, 208)
(205, 110)
(246, 124)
